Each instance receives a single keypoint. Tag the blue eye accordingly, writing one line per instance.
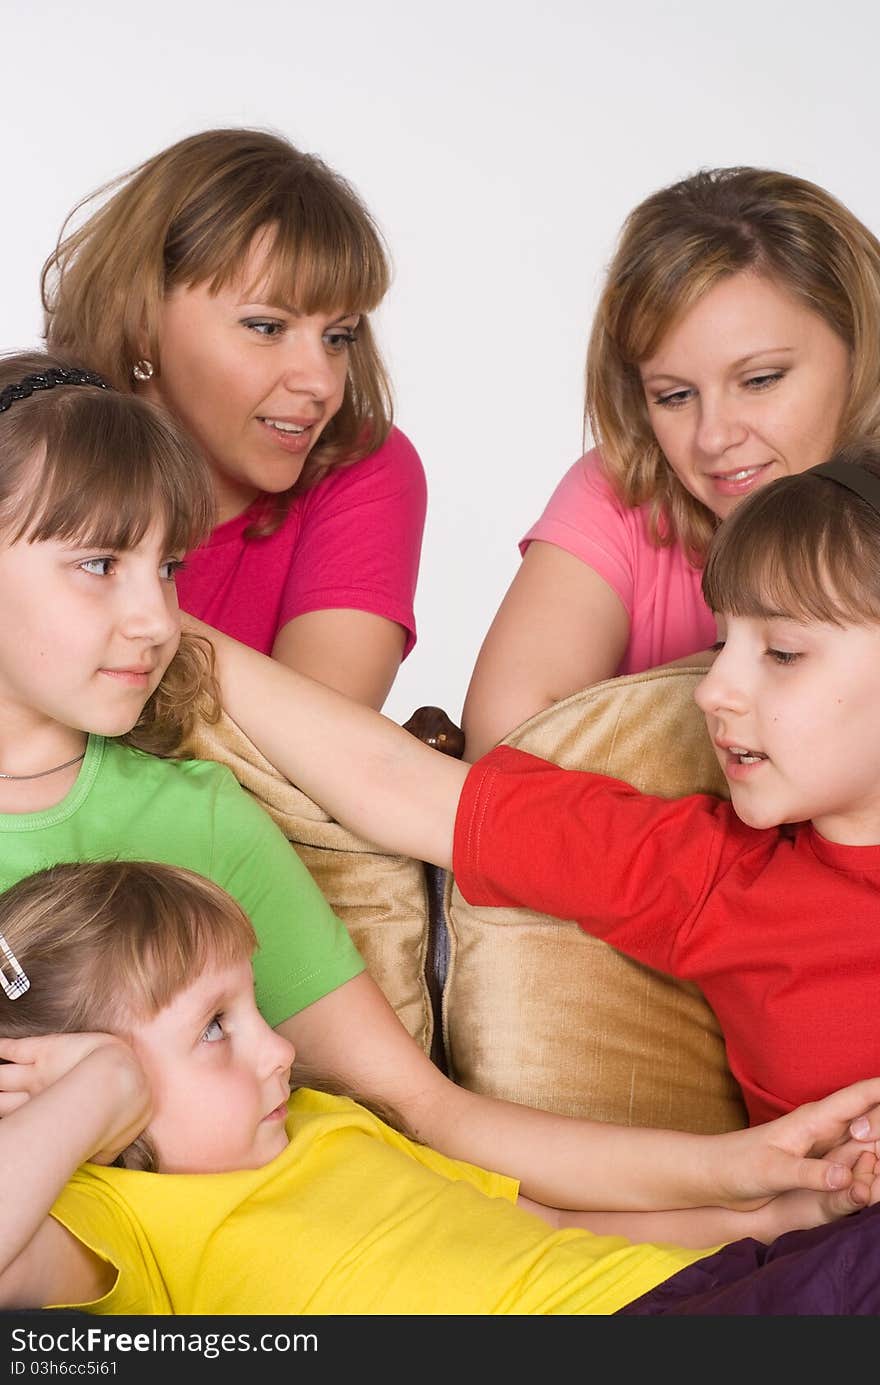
(214, 1031)
(763, 382)
(340, 339)
(264, 327)
(673, 400)
(104, 566)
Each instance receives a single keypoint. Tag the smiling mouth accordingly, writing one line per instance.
(743, 756)
(744, 473)
(285, 427)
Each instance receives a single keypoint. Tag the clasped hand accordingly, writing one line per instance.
(32, 1065)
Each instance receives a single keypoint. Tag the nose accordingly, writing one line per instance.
(720, 425)
(721, 690)
(308, 366)
(150, 611)
(277, 1053)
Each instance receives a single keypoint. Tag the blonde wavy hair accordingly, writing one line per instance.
(95, 467)
(673, 248)
(189, 216)
(106, 945)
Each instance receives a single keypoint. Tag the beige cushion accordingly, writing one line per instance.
(536, 1011)
(382, 899)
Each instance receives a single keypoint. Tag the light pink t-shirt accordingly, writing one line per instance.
(658, 586)
(353, 541)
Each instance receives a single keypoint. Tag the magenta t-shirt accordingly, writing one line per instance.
(353, 541)
(658, 586)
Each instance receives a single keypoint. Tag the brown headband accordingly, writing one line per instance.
(854, 478)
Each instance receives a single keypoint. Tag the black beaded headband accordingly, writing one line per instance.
(853, 478)
(47, 380)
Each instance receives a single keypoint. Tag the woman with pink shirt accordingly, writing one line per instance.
(737, 339)
(230, 278)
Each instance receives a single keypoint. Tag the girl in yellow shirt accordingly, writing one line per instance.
(136, 1048)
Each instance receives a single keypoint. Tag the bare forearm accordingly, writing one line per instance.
(564, 1162)
(360, 766)
(698, 1228)
(44, 1141)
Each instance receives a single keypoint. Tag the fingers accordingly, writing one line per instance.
(866, 1126)
(11, 1101)
(16, 1077)
(16, 1050)
(857, 1103)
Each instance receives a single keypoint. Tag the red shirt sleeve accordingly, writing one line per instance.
(627, 867)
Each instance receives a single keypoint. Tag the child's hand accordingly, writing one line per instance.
(800, 1209)
(34, 1064)
(817, 1147)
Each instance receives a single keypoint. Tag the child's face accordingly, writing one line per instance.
(86, 633)
(254, 382)
(220, 1077)
(801, 698)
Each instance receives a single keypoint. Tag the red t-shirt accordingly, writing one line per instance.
(780, 928)
(353, 541)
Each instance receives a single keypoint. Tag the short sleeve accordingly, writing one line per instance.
(584, 517)
(628, 867)
(304, 950)
(360, 539)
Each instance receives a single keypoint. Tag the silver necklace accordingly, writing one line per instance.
(40, 773)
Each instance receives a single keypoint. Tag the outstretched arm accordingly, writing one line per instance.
(65, 1098)
(363, 769)
(353, 1034)
(704, 1227)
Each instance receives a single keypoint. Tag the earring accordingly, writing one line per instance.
(142, 369)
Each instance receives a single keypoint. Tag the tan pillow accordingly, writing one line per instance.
(536, 1011)
(382, 899)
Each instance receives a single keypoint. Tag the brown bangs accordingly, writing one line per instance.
(803, 548)
(111, 467)
(664, 292)
(323, 250)
(185, 926)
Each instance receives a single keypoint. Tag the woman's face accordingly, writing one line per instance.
(748, 386)
(253, 381)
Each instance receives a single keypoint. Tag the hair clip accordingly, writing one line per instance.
(47, 380)
(12, 974)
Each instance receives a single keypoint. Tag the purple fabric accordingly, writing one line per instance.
(830, 1270)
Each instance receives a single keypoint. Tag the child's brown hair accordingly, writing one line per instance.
(89, 465)
(804, 546)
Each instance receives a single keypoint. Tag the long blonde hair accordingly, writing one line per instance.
(86, 464)
(190, 216)
(673, 248)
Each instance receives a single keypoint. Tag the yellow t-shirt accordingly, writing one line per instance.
(352, 1218)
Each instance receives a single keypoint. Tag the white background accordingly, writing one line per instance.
(499, 145)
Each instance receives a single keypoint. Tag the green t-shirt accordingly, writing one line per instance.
(126, 805)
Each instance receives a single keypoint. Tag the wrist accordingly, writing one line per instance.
(119, 1094)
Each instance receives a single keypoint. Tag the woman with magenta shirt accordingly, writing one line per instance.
(736, 340)
(230, 278)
